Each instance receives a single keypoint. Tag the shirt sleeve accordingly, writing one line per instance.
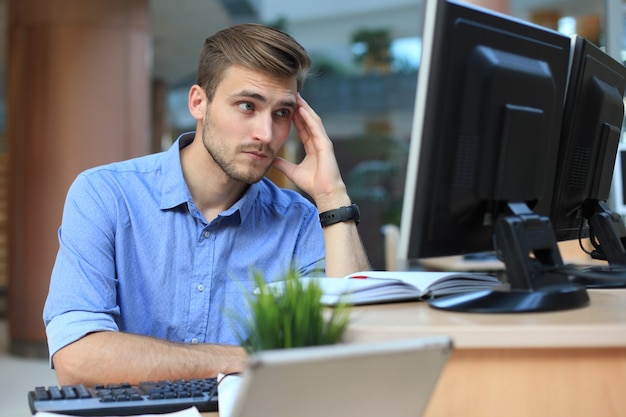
(82, 295)
(310, 251)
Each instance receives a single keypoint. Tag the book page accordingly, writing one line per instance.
(368, 287)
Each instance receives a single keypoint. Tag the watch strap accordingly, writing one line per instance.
(341, 214)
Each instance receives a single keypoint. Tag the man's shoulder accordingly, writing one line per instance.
(141, 164)
(128, 176)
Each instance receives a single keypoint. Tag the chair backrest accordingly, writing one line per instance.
(391, 237)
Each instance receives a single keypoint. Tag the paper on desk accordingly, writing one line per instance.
(227, 389)
(189, 412)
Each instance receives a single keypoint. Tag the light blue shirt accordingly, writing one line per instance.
(136, 255)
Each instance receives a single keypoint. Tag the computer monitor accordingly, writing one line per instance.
(483, 153)
(592, 123)
(591, 131)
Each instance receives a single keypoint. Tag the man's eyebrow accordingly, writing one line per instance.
(263, 99)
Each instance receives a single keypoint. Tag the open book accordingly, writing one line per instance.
(373, 287)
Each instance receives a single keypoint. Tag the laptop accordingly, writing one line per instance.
(394, 378)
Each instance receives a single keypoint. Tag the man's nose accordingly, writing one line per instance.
(263, 128)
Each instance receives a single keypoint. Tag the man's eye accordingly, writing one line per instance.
(283, 113)
(246, 106)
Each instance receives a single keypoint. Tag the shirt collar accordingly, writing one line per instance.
(243, 207)
(174, 190)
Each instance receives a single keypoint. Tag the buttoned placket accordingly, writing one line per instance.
(200, 296)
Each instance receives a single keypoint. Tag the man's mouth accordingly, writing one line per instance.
(256, 154)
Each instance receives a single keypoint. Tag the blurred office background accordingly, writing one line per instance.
(88, 82)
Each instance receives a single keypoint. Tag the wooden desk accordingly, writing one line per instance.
(558, 364)
(570, 363)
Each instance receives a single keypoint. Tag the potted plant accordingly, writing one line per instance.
(292, 317)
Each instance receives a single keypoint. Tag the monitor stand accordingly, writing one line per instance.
(559, 297)
(595, 276)
(527, 245)
(607, 228)
(607, 233)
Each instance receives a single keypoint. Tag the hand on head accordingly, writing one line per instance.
(318, 173)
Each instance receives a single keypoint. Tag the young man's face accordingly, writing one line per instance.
(248, 121)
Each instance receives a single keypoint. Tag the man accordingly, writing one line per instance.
(156, 251)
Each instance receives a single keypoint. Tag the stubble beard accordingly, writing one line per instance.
(227, 164)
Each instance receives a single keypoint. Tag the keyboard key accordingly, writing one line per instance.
(41, 394)
(68, 392)
(82, 391)
(55, 393)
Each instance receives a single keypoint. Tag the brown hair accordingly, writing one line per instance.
(252, 46)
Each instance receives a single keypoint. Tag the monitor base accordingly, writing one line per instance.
(549, 298)
(595, 276)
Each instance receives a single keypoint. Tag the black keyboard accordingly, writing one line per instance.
(126, 399)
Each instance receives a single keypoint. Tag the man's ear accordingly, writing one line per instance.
(197, 102)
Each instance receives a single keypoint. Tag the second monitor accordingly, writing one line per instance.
(592, 124)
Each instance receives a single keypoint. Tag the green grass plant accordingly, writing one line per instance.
(293, 317)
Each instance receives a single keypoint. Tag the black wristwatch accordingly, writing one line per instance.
(342, 214)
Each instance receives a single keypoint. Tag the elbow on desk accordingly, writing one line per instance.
(74, 363)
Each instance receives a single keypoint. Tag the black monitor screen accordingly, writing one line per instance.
(486, 126)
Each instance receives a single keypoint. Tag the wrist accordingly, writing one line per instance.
(332, 201)
(340, 215)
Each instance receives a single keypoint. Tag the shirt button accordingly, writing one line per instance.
(194, 341)
(200, 287)
(207, 233)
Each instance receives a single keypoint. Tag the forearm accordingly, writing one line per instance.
(345, 253)
(112, 357)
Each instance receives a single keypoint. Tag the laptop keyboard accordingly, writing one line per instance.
(126, 399)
